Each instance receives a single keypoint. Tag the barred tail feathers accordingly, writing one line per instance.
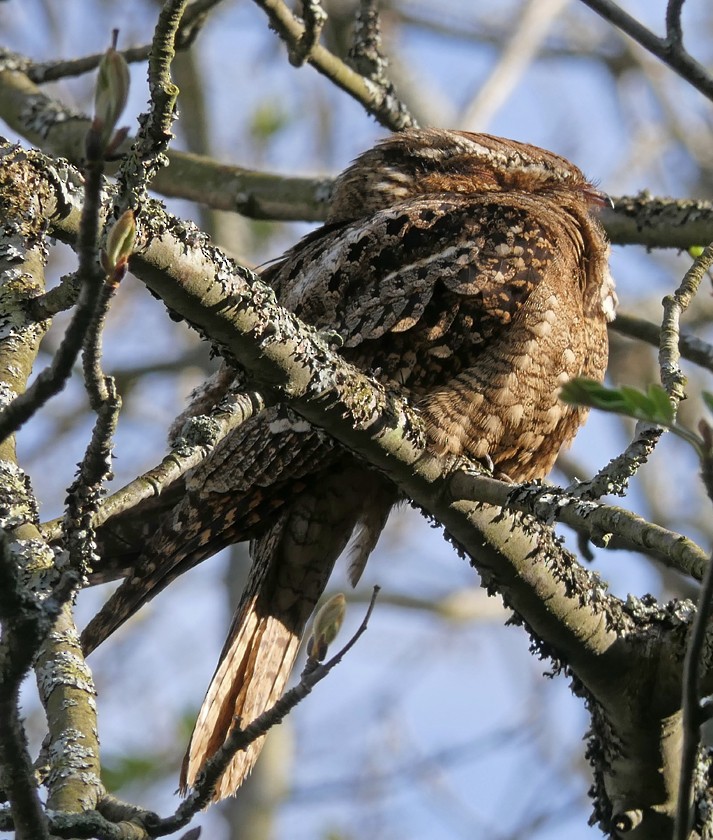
(291, 566)
(250, 678)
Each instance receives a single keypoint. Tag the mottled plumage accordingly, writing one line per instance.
(462, 268)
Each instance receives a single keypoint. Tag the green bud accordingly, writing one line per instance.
(119, 246)
(327, 624)
(111, 93)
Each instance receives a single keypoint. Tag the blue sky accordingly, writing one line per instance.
(431, 728)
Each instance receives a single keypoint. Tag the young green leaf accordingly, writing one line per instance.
(662, 403)
(654, 406)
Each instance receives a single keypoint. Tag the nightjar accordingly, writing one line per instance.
(465, 270)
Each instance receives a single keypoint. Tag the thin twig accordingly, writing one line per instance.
(378, 101)
(163, 91)
(85, 492)
(668, 51)
(615, 477)
(368, 57)
(674, 306)
(366, 53)
(691, 348)
(314, 18)
(94, 379)
(201, 435)
(48, 71)
(147, 154)
(60, 298)
(674, 33)
(674, 380)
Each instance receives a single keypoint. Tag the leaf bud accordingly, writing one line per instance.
(327, 624)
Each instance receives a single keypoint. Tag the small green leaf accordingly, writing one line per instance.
(582, 391)
(662, 402)
(707, 399)
(695, 251)
(638, 403)
(654, 406)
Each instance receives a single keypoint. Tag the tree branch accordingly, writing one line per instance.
(669, 50)
(377, 99)
(49, 125)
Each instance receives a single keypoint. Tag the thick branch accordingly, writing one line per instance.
(24, 622)
(47, 124)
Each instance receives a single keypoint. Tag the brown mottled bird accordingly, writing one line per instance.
(465, 270)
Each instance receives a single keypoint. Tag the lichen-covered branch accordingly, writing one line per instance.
(651, 221)
(47, 593)
(674, 306)
(25, 564)
(378, 99)
(53, 127)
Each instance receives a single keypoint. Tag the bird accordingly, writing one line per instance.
(466, 271)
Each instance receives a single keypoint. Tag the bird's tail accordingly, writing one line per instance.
(254, 667)
(291, 566)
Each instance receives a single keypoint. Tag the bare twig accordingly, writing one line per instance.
(615, 476)
(613, 479)
(674, 305)
(690, 347)
(674, 32)
(669, 50)
(314, 18)
(85, 492)
(59, 298)
(378, 101)
(49, 71)
(147, 153)
(674, 380)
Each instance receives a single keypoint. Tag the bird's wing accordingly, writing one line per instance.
(438, 261)
(415, 266)
(231, 497)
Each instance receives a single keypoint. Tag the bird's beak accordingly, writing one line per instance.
(598, 198)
